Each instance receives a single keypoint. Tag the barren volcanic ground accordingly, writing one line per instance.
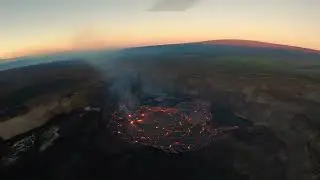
(191, 111)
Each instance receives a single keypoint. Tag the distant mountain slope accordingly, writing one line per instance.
(49, 58)
(218, 48)
(208, 49)
(221, 52)
(257, 44)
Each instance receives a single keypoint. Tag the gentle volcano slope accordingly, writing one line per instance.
(258, 44)
(239, 55)
(225, 47)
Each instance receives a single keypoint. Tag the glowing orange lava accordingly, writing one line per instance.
(163, 109)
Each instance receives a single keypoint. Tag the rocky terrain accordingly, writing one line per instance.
(53, 116)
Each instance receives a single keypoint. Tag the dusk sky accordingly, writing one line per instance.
(44, 26)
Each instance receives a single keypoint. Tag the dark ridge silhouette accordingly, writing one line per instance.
(258, 44)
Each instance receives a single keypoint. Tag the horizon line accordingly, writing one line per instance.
(294, 47)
